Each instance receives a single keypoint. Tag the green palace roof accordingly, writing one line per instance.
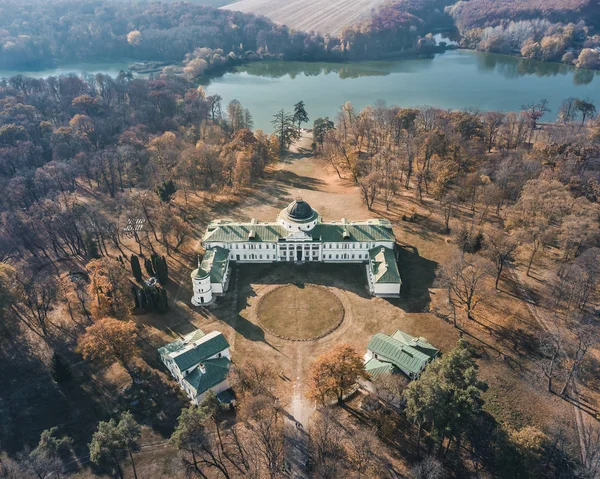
(403, 351)
(384, 266)
(214, 263)
(359, 231)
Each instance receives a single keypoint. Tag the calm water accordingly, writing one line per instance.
(111, 69)
(454, 80)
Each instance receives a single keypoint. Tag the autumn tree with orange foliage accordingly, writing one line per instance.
(110, 289)
(109, 340)
(334, 373)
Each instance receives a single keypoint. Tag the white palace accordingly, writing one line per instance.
(299, 235)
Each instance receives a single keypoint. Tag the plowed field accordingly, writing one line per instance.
(322, 16)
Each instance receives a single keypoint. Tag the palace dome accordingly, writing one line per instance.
(299, 210)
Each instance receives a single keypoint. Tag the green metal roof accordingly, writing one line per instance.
(400, 354)
(339, 232)
(214, 263)
(219, 232)
(365, 231)
(384, 266)
(226, 397)
(377, 368)
(195, 351)
(180, 343)
(215, 372)
(420, 344)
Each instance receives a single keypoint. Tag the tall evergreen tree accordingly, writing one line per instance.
(130, 432)
(135, 267)
(159, 263)
(300, 115)
(285, 129)
(91, 247)
(149, 267)
(166, 190)
(320, 128)
(165, 299)
(61, 371)
(107, 445)
(136, 296)
(447, 396)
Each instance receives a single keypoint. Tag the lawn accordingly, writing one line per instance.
(300, 311)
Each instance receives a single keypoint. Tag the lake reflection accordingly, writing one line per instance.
(454, 80)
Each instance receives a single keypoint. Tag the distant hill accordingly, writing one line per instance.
(321, 16)
(483, 13)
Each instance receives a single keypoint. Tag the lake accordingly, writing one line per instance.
(456, 79)
(90, 68)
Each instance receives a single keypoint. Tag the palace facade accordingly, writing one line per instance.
(298, 235)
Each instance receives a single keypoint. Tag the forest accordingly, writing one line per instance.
(560, 31)
(109, 183)
(86, 158)
(198, 38)
(121, 135)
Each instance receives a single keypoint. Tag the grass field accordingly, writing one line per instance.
(300, 311)
(322, 16)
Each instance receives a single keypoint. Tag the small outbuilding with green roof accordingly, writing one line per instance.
(399, 352)
(199, 362)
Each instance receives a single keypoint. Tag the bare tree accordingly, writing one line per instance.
(586, 337)
(369, 188)
(327, 445)
(254, 377)
(500, 247)
(39, 293)
(265, 424)
(492, 121)
(464, 277)
(551, 347)
(389, 388)
(449, 204)
(590, 467)
(428, 468)
(359, 449)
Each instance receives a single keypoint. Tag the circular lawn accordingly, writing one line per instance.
(300, 312)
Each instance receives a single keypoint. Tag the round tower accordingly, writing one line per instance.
(201, 286)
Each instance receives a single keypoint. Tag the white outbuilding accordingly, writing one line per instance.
(199, 362)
